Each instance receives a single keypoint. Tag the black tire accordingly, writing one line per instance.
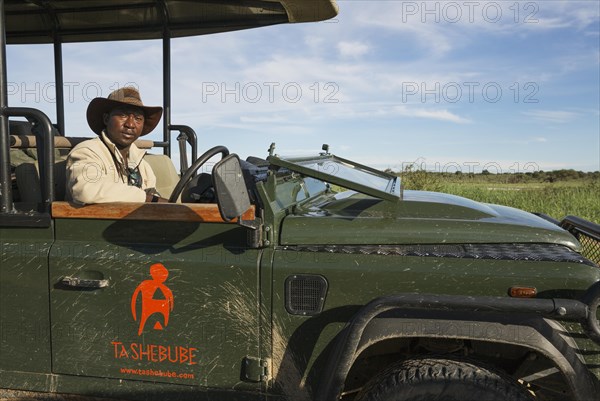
(442, 379)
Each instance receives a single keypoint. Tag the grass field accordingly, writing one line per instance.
(555, 200)
(579, 197)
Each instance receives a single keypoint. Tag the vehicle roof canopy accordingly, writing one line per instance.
(44, 21)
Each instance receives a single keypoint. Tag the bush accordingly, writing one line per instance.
(418, 179)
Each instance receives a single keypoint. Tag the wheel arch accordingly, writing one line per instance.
(523, 335)
(393, 318)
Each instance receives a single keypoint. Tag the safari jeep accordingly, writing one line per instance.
(312, 278)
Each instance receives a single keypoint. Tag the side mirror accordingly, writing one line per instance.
(230, 187)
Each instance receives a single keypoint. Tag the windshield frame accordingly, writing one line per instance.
(332, 171)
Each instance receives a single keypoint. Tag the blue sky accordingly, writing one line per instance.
(506, 86)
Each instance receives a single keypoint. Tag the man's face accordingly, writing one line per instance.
(124, 125)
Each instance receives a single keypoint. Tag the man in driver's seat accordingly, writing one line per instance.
(111, 168)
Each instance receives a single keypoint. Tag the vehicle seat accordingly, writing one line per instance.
(24, 161)
(164, 170)
(28, 178)
(28, 181)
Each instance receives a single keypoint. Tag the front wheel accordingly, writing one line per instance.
(442, 379)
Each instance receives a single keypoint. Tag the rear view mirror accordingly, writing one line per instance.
(230, 187)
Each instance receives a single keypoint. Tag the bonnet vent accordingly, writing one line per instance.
(305, 294)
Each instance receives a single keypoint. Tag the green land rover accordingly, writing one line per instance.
(312, 278)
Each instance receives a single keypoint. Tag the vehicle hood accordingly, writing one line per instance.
(419, 218)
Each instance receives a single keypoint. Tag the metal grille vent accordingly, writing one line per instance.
(587, 233)
(591, 248)
(305, 294)
(529, 252)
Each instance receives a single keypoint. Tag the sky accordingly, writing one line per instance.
(506, 86)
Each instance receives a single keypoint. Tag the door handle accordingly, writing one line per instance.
(77, 282)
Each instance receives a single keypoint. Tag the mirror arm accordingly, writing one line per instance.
(255, 236)
(252, 224)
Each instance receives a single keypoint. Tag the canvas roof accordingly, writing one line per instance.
(41, 21)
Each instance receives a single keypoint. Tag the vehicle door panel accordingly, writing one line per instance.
(192, 287)
(24, 307)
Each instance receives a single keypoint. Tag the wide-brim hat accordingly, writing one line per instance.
(128, 96)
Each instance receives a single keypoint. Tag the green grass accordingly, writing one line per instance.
(563, 196)
(556, 200)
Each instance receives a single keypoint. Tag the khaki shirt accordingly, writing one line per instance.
(92, 176)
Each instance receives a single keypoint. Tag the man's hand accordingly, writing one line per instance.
(153, 196)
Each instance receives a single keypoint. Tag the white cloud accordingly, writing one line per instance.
(442, 115)
(257, 119)
(314, 43)
(577, 14)
(352, 49)
(441, 27)
(552, 116)
(548, 23)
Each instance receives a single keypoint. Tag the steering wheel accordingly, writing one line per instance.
(199, 162)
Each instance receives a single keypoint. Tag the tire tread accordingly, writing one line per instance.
(462, 374)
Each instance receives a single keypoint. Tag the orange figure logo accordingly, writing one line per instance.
(151, 305)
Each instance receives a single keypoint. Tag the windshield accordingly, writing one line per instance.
(345, 173)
